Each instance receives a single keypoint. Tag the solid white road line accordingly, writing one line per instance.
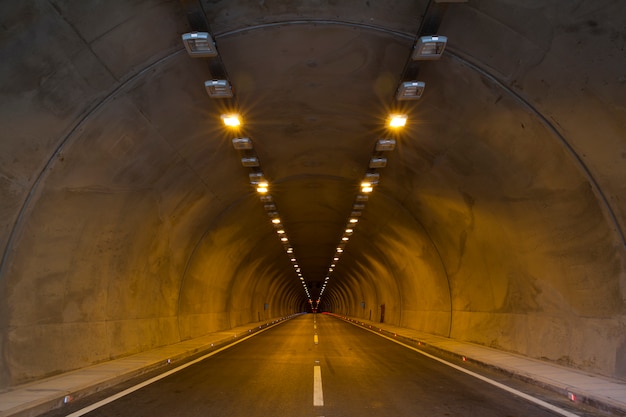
(513, 391)
(318, 394)
(130, 390)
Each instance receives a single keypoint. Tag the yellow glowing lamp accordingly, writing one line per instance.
(397, 120)
(262, 187)
(354, 220)
(366, 187)
(231, 120)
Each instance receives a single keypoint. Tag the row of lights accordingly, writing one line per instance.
(201, 45)
(371, 178)
(426, 48)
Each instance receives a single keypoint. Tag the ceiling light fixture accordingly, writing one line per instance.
(378, 162)
(241, 143)
(429, 48)
(231, 120)
(250, 161)
(218, 88)
(256, 178)
(385, 145)
(262, 188)
(410, 90)
(397, 120)
(372, 177)
(199, 44)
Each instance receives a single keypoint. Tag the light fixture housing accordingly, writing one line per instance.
(218, 88)
(378, 162)
(256, 178)
(242, 143)
(199, 44)
(358, 206)
(385, 145)
(410, 90)
(429, 48)
(361, 197)
(372, 177)
(250, 161)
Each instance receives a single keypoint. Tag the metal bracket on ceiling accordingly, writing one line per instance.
(199, 22)
(409, 88)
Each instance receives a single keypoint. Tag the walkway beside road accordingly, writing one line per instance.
(51, 393)
(603, 393)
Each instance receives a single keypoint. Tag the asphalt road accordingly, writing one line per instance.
(313, 366)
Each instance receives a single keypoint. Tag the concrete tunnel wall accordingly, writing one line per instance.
(128, 223)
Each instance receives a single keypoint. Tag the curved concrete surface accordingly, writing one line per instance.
(128, 221)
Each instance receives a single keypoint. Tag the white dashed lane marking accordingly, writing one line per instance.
(318, 394)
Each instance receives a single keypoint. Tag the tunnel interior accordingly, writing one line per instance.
(129, 221)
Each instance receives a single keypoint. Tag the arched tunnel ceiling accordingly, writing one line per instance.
(127, 212)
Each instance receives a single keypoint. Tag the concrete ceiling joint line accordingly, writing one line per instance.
(594, 184)
(238, 31)
(62, 144)
(79, 34)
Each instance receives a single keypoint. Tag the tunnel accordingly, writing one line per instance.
(133, 218)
